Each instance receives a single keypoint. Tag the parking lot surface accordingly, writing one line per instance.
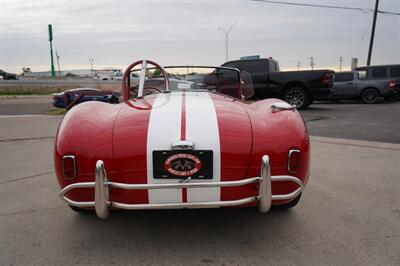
(355, 120)
(347, 119)
(349, 214)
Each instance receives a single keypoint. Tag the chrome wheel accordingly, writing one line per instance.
(296, 97)
(370, 95)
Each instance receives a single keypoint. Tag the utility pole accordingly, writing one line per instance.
(298, 66)
(58, 64)
(312, 63)
(340, 63)
(226, 38)
(53, 73)
(91, 66)
(371, 41)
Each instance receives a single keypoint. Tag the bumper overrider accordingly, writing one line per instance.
(102, 204)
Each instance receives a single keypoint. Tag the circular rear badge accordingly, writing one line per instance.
(182, 164)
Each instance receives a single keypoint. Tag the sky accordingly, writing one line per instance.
(116, 33)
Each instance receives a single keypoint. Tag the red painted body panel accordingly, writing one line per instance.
(275, 134)
(117, 134)
(235, 136)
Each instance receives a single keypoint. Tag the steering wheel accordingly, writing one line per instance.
(126, 78)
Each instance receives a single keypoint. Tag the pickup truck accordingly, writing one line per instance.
(299, 88)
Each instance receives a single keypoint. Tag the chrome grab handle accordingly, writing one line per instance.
(280, 106)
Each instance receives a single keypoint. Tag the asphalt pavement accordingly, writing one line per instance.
(25, 105)
(347, 119)
(349, 214)
(355, 120)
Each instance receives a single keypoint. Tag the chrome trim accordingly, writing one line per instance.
(291, 151)
(62, 166)
(208, 204)
(182, 145)
(264, 190)
(186, 180)
(142, 78)
(186, 185)
(101, 193)
(102, 185)
(280, 106)
(288, 178)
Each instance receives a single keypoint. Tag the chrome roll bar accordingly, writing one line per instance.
(102, 204)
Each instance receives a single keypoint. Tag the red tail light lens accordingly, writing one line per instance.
(327, 79)
(392, 83)
(69, 167)
(294, 161)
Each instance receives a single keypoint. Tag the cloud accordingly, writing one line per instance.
(185, 32)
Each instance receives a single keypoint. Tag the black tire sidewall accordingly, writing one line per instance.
(365, 91)
(302, 91)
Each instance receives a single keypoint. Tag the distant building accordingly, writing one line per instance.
(107, 73)
(72, 72)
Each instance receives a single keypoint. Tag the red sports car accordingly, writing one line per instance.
(183, 137)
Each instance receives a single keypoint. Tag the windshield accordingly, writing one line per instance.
(223, 80)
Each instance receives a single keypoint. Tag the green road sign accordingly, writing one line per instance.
(50, 33)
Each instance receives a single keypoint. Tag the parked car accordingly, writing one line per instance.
(299, 88)
(352, 85)
(6, 75)
(382, 72)
(74, 96)
(184, 146)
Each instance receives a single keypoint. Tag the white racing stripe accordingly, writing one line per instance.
(164, 129)
(202, 129)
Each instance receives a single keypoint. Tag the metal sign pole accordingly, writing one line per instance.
(53, 73)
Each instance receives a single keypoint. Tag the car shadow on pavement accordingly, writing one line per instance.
(187, 226)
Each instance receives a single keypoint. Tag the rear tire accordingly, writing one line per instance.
(288, 205)
(296, 96)
(81, 210)
(369, 95)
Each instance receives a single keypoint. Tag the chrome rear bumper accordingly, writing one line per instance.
(102, 204)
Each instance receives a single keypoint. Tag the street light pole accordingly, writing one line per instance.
(58, 64)
(91, 66)
(226, 32)
(371, 41)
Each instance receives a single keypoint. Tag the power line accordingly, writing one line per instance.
(364, 10)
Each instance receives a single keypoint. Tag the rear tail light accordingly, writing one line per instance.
(392, 83)
(294, 161)
(69, 167)
(327, 79)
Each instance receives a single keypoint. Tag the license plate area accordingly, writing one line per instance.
(180, 164)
